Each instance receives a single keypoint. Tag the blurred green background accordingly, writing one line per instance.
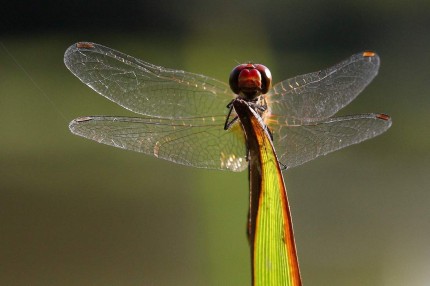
(73, 212)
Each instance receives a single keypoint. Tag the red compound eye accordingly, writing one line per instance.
(266, 76)
(250, 79)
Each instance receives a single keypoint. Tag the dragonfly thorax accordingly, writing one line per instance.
(250, 80)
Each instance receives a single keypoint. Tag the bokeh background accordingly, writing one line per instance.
(73, 212)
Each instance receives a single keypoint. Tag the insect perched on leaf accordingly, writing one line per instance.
(189, 118)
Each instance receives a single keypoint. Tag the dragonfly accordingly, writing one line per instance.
(189, 119)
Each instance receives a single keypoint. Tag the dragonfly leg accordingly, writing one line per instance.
(259, 107)
(270, 132)
(228, 123)
(283, 166)
(259, 104)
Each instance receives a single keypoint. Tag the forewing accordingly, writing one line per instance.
(201, 142)
(145, 88)
(298, 144)
(319, 95)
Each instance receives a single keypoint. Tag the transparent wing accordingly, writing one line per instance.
(319, 95)
(145, 88)
(198, 142)
(180, 130)
(297, 144)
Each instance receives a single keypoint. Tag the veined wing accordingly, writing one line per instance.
(297, 144)
(198, 142)
(145, 88)
(319, 95)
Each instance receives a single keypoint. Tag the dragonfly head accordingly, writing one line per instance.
(250, 80)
